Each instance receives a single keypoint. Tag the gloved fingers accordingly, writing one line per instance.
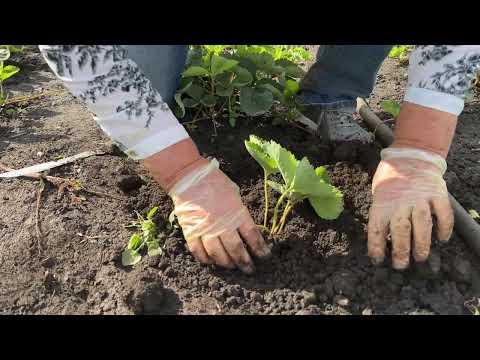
(254, 239)
(445, 220)
(215, 250)
(237, 251)
(422, 230)
(377, 234)
(195, 246)
(401, 231)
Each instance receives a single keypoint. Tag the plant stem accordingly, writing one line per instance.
(275, 212)
(286, 211)
(265, 216)
(212, 83)
(196, 120)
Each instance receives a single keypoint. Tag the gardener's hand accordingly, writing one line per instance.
(216, 225)
(407, 189)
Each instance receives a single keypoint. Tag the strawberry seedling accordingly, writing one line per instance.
(239, 80)
(300, 181)
(6, 71)
(145, 237)
(401, 53)
(391, 106)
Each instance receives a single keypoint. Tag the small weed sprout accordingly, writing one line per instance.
(145, 237)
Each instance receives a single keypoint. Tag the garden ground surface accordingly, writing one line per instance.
(317, 267)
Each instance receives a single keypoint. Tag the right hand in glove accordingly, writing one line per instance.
(215, 223)
(407, 189)
(408, 186)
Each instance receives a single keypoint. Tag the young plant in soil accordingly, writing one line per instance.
(242, 80)
(300, 181)
(6, 71)
(401, 53)
(391, 106)
(146, 236)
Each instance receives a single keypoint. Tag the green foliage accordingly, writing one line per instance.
(391, 106)
(145, 237)
(300, 181)
(14, 48)
(278, 52)
(473, 305)
(6, 71)
(474, 214)
(400, 52)
(233, 81)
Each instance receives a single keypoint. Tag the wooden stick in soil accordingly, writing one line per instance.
(465, 225)
(58, 181)
(25, 98)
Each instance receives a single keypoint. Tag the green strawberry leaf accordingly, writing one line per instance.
(195, 91)
(286, 161)
(220, 64)
(154, 248)
(323, 174)
(256, 150)
(390, 106)
(276, 93)
(242, 77)
(135, 240)
(184, 85)
(190, 103)
(152, 212)
(224, 91)
(8, 71)
(255, 101)
(307, 182)
(291, 88)
(329, 207)
(209, 100)
(193, 71)
(130, 257)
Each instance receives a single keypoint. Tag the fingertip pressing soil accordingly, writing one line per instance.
(316, 267)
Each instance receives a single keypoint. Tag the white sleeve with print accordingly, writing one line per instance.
(124, 103)
(440, 75)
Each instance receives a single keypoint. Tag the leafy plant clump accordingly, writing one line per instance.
(145, 237)
(401, 53)
(6, 71)
(300, 181)
(232, 81)
(391, 106)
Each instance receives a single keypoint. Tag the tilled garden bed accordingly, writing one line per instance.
(317, 266)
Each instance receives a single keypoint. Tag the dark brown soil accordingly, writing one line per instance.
(317, 267)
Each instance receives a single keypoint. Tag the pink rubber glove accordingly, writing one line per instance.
(214, 220)
(215, 223)
(408, 187)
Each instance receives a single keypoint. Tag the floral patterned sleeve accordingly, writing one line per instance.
(441, 75)
(121, 97)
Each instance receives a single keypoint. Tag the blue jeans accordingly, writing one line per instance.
(340, 74)
(162, 64)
